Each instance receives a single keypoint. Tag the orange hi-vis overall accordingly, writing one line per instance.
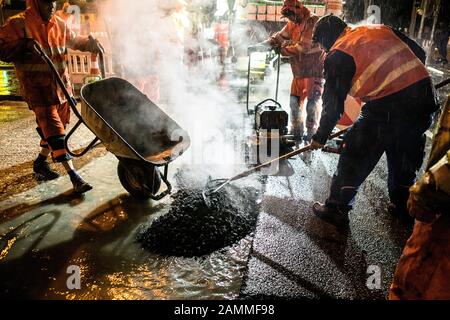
(306, 60)
(386, 65)
(37, 84)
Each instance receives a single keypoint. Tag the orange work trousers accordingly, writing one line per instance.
(52, 121)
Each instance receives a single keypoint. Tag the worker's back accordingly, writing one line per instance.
(384, 63)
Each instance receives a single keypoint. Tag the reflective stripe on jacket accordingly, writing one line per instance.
(384, 64)
(37, 84)
(296, 41)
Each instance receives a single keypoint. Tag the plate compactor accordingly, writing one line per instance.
(270, 131)
(270, 124)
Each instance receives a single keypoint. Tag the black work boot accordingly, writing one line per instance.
(43, 171)
(331, 214)
(79, 185)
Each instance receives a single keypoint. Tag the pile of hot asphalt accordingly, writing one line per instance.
(192, 228)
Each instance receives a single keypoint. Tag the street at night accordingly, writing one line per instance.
(216, 177)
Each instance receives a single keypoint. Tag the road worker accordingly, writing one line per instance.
(295, 41)
(385, 69)
(423, 271)
(39, 24)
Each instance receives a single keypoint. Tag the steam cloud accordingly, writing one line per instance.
(151, 37)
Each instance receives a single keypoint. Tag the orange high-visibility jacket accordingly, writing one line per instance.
(37, 84)
(296, 42)
(384, 63)
(221, 34)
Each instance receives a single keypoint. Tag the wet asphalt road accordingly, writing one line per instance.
(295, 255)
(50, 229)
(290, 255)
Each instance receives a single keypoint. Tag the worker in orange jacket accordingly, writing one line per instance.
(64, 13)
(423, 271)
(306, 58)
(385, 69)
(221, 35)
(38, 23)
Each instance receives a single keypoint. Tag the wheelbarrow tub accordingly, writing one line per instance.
(129, 124)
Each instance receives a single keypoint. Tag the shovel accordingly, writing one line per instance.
(216, 185)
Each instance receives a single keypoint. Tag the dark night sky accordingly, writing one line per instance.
(396, 13)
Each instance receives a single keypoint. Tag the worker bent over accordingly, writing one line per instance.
(18, 36)
(385, 69)
(295, 41)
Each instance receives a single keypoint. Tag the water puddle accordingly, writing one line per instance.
(97, 232)
(9, 84)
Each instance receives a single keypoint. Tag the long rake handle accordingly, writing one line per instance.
(284, 157)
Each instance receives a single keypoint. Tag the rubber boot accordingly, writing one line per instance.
(79, 185)
(43, 171)
(331, 214)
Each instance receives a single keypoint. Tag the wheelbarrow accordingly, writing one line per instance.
(133, 128)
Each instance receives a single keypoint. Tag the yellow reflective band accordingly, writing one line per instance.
(395, 74)
(373, 68)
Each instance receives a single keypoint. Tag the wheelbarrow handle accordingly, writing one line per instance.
(91, 145)
(70, 99)
(101, 56)
(37, 47)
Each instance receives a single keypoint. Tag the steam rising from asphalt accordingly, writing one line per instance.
(150, 37)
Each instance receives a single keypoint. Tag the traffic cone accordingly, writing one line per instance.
(94, 71)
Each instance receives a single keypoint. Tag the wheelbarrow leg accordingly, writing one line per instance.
(86, 149)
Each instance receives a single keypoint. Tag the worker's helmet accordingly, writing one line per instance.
(327, 30)
(66, 6)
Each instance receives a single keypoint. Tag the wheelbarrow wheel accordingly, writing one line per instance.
(141, 181)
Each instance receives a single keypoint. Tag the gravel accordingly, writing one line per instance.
(20, 141)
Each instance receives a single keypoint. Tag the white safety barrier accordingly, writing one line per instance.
(80, 66)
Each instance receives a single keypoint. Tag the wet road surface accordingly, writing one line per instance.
(47, 229)
(52, 229)
(295, 255)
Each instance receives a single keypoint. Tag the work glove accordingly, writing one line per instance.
(29, 48)
(94, 46)
(316, 145)
(29, 45)
(277, 49)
